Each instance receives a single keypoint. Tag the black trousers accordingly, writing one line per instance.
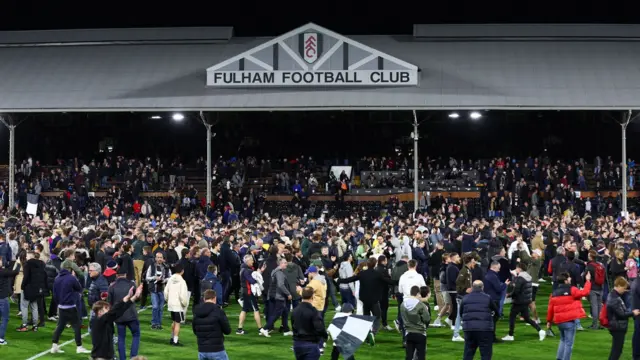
(617, 344)
(454, 307)
(53, 308)
(416, 345)
(384, 309)
(41, 311)
(496, 317)
(517, 309)
(71, 317)
(374, 310)
(335, 354)
(478, 339)
(145, 293)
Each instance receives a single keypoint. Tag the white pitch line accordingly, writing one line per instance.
(67, 343)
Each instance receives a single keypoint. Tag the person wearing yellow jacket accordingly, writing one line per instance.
(319, 285)
(177, 297)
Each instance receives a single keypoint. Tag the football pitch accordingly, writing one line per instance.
(589, 344)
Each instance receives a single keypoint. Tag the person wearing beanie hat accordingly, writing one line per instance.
(118, 292)
(110, 272)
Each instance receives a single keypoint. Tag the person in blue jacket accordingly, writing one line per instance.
(211, 282)
(495, 288)
(478, 313)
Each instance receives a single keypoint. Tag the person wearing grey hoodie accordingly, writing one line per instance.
(347, 291)
(416, 317)
(279, 293)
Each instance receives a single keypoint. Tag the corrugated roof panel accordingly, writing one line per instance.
(454, 74)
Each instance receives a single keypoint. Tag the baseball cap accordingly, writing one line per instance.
(311, 269)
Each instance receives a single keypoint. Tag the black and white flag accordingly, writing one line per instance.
(349, 332)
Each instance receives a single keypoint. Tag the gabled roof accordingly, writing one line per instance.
(281, 42)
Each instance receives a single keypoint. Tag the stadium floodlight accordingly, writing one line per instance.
(454, 115)
(156, 117)
(178, 117)
(474, 115)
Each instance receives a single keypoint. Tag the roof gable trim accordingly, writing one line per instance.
(280, 40)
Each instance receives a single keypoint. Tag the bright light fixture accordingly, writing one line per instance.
(178, 117)
(454, 115)
(156, 117)
(475, 115)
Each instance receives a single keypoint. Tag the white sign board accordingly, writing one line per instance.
(313, 78)
(312, 56)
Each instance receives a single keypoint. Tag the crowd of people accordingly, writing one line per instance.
(92, 266)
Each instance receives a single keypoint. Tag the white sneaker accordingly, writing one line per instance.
(81, 350)
(542, 280)
(3, 342)
(288, 333)
(437, 323)
(53, 318)
(389, 328)
(241, 303)
(457, 339)
(543, 334)
(453, 328)
(338, 308)
(436, 308)
(264, 333)
(55, 349)
(448, 321)
(508, 338)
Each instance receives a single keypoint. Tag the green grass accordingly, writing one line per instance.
(155, 344)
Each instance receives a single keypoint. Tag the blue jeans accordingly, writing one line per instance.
(134, 327)
(157, 304)
(4, 316)
(457, 325)
(347, 297)
(306, 351)
(567, 337)
(220, 355)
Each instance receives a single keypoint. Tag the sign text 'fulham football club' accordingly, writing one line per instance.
(323, 58)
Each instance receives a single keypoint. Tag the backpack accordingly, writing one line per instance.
(598, 273)
(603, 318)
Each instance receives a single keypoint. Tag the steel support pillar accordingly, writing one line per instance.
(416, 202)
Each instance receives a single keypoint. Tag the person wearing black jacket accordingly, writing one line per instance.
(271, 264)
(6, 276)
(190, 277)
(308, 328)
(372, 283)
(102, 329)
(129, 318)
(34, 286)
(618, 316)
(210, 324)
(125, 262)
(384, 295)
(148, 261)
(451, 275)
(522, 296)
(226, 263)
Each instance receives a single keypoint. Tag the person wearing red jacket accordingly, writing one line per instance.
(565, 310)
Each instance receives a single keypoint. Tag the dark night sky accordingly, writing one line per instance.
(252, 18)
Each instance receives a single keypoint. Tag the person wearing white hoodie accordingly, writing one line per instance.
(177, 296)
(410, 279)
